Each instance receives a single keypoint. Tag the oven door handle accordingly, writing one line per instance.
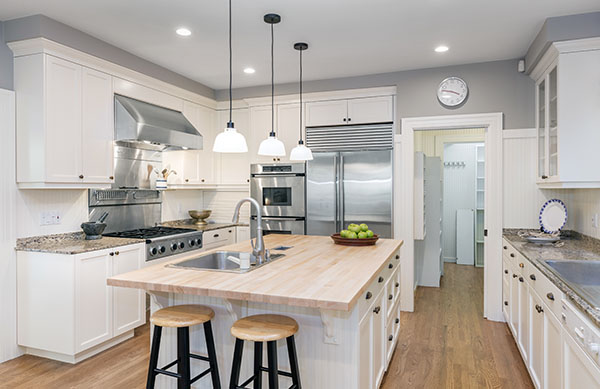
(277, 175)
(279, 219)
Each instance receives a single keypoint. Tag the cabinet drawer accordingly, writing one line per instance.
(506, 270)
(368, 297)
(550, 294)
(223, 235)
(390, 340)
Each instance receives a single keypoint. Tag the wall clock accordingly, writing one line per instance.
(452, 91)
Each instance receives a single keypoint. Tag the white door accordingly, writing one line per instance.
(201, 166)
(234, 168)
(260, 126)
(523, 318)
(379, 340)
(326, 113)
(63, 121)
(288, 124)
(129, 305)
(97, 126)
(365, 372)
(93, 315)
(552, 377)
(579, 370)
(536, 336)
(371, 110)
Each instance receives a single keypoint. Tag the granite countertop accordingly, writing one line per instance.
(576, 247)
(70, 243)
(189, 223)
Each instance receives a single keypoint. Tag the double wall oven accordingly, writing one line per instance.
(280, 189)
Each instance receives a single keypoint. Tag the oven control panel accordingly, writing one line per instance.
(171, 245)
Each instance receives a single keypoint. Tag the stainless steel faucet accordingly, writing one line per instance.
(258, 248)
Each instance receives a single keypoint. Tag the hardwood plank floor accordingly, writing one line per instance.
(445, 343)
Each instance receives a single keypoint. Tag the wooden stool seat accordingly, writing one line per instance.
(182, 316)
(264, 328)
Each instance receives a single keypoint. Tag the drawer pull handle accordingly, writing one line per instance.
(512, 255)
(521, 279)
(397, 284)
(390, 266)
(505, 271)
(369, 295)
(397, 320)
(506, 303)
(376, 310)
(539, 308)
(521, 265)
(380, 280)
(215, 235)
(391, 296)
(550, 296)
(532, 276)
(391, 337)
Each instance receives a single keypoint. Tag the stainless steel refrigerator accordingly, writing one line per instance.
(344, 187)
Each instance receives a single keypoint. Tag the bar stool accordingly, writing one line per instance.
(259, 329)
(183, 317)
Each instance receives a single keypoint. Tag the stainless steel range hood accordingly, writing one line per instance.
(143, 125)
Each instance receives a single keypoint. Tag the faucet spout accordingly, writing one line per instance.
(258, 246)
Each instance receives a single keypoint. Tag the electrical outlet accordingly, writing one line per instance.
(49, 218)
(595, 221)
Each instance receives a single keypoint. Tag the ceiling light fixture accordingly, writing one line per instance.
(182, 31)
(272, 146)
(301, 152)
(249, 70)
(230, 141)
(441, 49)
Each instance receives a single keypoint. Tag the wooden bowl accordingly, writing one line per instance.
(337, 239)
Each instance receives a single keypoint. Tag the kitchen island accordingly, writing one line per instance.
(345, 300)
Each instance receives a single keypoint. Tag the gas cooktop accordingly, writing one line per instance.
(149, 233)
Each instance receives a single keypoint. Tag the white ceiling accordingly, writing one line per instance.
(346, 37)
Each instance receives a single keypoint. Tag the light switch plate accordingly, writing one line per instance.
(595, 220)
(49, 218)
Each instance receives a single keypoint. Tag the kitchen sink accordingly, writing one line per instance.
(582, 275)
(218, 261)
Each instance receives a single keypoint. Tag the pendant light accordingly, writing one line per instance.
(230, 141)
(301, 152)
(272, 146)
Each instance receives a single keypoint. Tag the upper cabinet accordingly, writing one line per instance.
(287, 127)
(351, 111)
(64, 124)
(567, 82)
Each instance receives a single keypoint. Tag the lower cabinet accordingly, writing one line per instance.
(536, 337)
(579, 370)
(66, 311)
(552, 351)
(217, 238)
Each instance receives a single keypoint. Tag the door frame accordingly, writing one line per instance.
(404, 196)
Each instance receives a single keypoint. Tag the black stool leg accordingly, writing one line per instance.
(154, 357)
(272, 358)
(183, 357)
(237, 364)
(258, 353)
(212, 355)
(291, 346)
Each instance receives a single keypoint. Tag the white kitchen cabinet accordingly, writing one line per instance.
(64, 124)
(351, 111)
(242, 233)
(536, 337)
(66, 310)
(552, 350)
(514, 302)
(379, 339)
(234, 168)
(567, 98)
(579, 370)
(218, 238)
(365, 329)
(523, 329)
(288, 124)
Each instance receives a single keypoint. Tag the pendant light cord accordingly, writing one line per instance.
(272, 83)
(230, 70)
(301, 141)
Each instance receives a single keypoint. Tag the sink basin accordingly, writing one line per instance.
(583, 276)
(218, 261)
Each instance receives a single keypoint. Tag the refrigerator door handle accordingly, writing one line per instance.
(341, 199)
(336, 195)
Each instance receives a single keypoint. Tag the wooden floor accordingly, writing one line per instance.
(445, 343)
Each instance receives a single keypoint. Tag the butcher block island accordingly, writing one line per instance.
(345, 300)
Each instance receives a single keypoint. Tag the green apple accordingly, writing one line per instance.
(362, 235)
(369, 234)
(344, 233)
(354, 228)
(364, 227)
(351, 235)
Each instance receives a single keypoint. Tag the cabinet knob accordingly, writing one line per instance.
(544, 177)
(539, 308)
(369, 295)
(521, 265)
(380, 280)
(515, 276)
(512, 255)
(506, 303)
(391, 337)
(248, 180)
(397, 284)
(532, 276)
(505, 271)
(390, 266)
(81, 176)
(521, 279)
(344, 119)
(376, 310)
(202, 180)
(116, 253)
(187, 180)
(550, 296)
(397, 257)
(349, 119)
(111, 177)
(505, 248)
(391, 296)
(397, 320)
(111, 254)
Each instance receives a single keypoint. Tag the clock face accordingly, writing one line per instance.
(452, 91)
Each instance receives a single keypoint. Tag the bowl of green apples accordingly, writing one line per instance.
(355, 235)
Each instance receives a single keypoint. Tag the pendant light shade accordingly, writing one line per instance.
(230, 141)
(272, 146)
(301, 152)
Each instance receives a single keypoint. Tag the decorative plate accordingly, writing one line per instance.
(553, 216)
(337, 239)
(543, 239)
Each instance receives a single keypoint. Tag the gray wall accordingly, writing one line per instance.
(493, 87)
(42, 26)
(6, 63)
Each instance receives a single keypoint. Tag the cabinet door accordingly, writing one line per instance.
(523, 328)
(514, 303)
(371, 110)
(288, 124)
(129, 305)
(174, 160)
(97, 126)
(552, 377)
(536, 336)
(199, 166)
(234, 168)
(579, 370)
(379, 339)
(542, 150)
(93, 314)
(365, 372)
(242, 233)
(63, 121)
(506, 299)
(260, 125)
(326, 113)
(552, 119)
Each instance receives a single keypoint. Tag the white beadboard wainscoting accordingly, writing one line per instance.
(222, 204)
(177, 203)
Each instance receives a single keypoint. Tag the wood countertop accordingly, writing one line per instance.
(314, 273)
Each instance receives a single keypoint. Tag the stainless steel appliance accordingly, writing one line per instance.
(350, 179)
(280, 190)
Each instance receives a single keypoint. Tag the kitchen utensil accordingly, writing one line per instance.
(102, 218)
(199, 216)
(93, 230)
(553, 216)
(337, 239)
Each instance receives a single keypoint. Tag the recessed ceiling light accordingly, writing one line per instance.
(441, 49)
(249, 70)
(183, 31)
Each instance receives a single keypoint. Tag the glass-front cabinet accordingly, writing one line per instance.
(547, 125)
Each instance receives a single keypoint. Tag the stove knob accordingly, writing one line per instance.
(192, 242)
(174, 247)
(162, 249)
(199, 242)
(152, 251)
(181, 245)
